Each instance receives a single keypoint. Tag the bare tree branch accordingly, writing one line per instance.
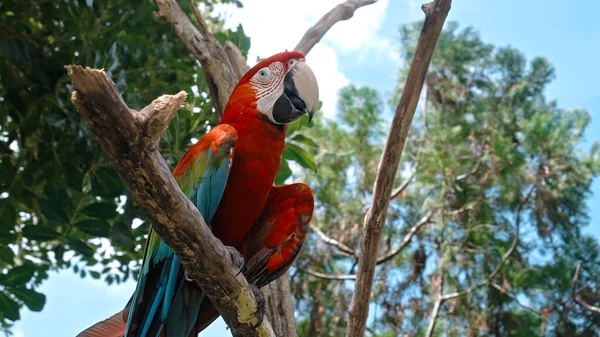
(341, 12)
(578, 298)
(201, 23)
(330, 277)
(435, 16)
(514, 298)
(280, 307)
(413, 230)
(466, 207)
(205, 48)
(333, 242)
(130, 140)
(396, 192)
(435, 311)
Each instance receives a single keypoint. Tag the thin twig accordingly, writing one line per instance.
(216, 66)
(466, 207)
(330, 277)
(514, 298)
(202, 26)
(435, 311)
(398, 190)
(576, 295)
(435, 16)
(333, 242)
(413, 230)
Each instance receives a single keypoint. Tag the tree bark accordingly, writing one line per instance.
(280, 308)
(435, 16)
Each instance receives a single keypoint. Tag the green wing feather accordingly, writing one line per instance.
(163, 298)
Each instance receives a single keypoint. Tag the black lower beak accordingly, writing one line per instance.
(289, 106)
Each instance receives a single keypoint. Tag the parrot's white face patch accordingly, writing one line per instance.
(268, 85)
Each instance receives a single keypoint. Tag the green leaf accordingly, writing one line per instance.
(300, 156)
(94, 227)
(19, 275)
(94, 274)
(7, 172)
(8, 216)
(121, 234)
(283, 173)
(40, 233)
(305, 140)
(297, 124)
(57, 118)
(106, 183)
(101, 210)
(53, 210)
(81, 247)
(9, 307)
(33, 300)
(7, 255)
(58, 194)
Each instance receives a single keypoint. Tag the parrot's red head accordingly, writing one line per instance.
(282, 88)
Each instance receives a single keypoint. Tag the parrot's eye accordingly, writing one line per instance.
(264, 75)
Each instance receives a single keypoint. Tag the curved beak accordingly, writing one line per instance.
(300, 95)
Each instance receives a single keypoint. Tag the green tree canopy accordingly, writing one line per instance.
(489, 158)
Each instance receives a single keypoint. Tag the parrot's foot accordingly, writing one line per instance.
(261, 305)
(236, 258)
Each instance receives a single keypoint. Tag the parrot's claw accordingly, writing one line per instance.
(236, 258)
(187, 277)
(261, 305)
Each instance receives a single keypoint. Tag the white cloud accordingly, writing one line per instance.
(362, 32)
(277, 25)
(324, 62)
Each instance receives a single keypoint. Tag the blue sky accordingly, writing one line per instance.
(362, 51)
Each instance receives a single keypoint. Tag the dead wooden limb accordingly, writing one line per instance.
(435, 16)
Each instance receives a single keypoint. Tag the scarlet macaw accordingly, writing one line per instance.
(228, 174)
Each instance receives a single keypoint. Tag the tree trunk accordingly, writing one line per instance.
(280, 308)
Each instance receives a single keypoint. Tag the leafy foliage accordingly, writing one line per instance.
(61, 203)
(491, 156)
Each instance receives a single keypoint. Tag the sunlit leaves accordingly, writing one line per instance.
(299, 155)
